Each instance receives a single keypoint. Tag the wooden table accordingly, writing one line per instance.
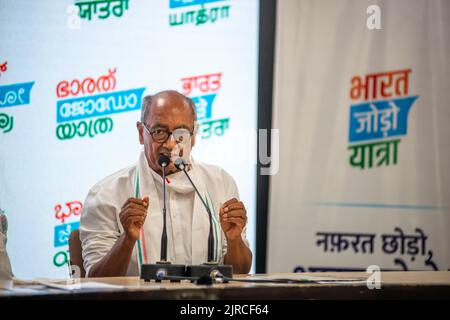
(394, 285)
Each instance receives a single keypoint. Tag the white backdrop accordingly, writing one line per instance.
(51, 154)
(328, 209)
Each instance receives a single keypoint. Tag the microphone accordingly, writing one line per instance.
(211, 265)
(163, 269)
(164, 161)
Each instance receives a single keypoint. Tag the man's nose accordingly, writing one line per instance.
(170, 143)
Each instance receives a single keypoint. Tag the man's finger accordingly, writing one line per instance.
(133, 219)
(134, 213)
(132, 200)
(235, 213)
(126, 210)
(236, 221)
(124, 216)
(145, 201)
(223, 219)
(234, 206)
(226, 204)
(133, 205)
(136, 200)
(137, 219)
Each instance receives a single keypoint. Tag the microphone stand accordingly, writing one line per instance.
(211, 267)
(163, 268)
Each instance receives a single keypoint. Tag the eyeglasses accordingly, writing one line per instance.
(160, 135)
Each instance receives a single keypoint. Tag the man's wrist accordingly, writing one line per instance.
(128, 240)
(234, 242)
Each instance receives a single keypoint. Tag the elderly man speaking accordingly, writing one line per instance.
(122, 220)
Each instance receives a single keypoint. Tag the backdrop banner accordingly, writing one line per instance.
(363, 113)
(72, 77)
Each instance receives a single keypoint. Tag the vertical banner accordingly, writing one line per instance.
(362, 102)
(72, 77)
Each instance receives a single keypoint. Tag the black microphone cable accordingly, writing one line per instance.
(180, 165)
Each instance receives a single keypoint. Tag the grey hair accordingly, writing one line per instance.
(148, 100)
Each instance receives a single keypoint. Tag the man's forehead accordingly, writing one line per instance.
(167, 114)
(169, 102)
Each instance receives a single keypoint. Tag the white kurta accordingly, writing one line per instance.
(187, 219)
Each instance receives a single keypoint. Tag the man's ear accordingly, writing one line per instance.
(140, 129)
